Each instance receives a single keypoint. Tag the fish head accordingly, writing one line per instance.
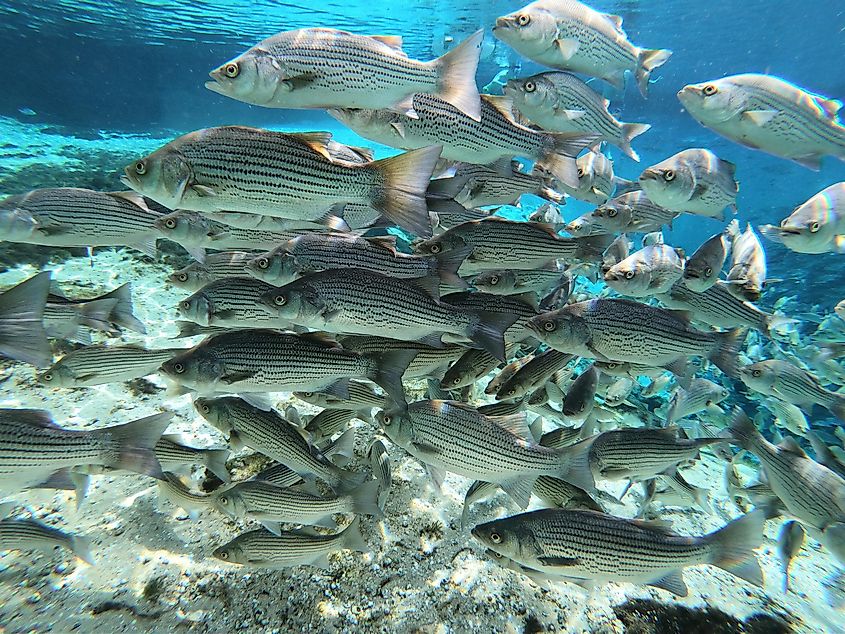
(759, 376)
(499, 282)
(185, 227)
(560, 329)
(612, 216)
(16, 222)
(581, 227)
(440, 244)
(813, 223)
(197, 308)
(397, 425)
(713, 102)
(253, 77)
(296, 302)
(384, 126)
(163, 176)
(669, 184)
(839, 309)
(700, 274)
(229, 502)
(503, 537)
(319, 399)
(231, 553)
(196, 368)
(57, 376)
(535, 92)
(195, 275)
(631, 276)
(274, 267)
(532, 29)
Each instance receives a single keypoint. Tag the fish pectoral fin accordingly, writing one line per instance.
(759, 117)
(571, 114)
(567, 47)
(53, 230)
(234, 377)
(203, 191)
(559, 562)
(405, 107)
(298, 81)
(596, 354)
(673, 582)
(519, 489)
(437, 476)
(811, 161)
(425, 450)
(273, 527)
(790, 445)
(399, 129)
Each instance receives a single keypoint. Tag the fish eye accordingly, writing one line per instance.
(668, 176)
(141, 168)
(580, 172)
(814, 227)
(611, 213)
(280, 300)
(494, 280)
(523, 19)
(182, 277)
(386, 420)
(224, 555)
(708, 271)
(709, 90)
(263, 263)
(224, 500)
(47, 376)
(185, 305)
(178, 368)
(530, 86)
(708, 402)
(495, 538)
(549, 326)
(756, 373)
(629, 275)
(497, 555)
(205, 409)
(170, 223)
(232, 69)
(456, 380)
(435, 248)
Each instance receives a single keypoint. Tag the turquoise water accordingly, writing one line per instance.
(92, 86)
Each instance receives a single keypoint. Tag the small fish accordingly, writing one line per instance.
(790, 540)
(326, 68)
(495, 139)
(788, 416)
(702, 268)
(173, 454)
(649, 271)
(790, 383)
(533, 374)
(515, 282)
(233, 302)
(695, 181)
(584, 226)
(263, 549)
(701, 394)
(578, 545)
(22, 334)
(428, 362)
(596, 181)
(581, 397)
(469, 368)
(816, 226)
(506, 373)
(101, 364)
(483, 186)
(33, 447)
(624, 330)
(632, 212)
(618, 391)
(747, 275)
(839, 309)
(174, 489)
(27, 534)
(767, 113)
(271, 434)
(561, 102)
(25, 110)
(569, 35)
(328, 423)
(359, 395)
(200, 171)
(618, 250)
(506, 307)
(216, 266)
(811, 492)
(380, 463)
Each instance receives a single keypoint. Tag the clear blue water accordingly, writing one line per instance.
(85, 69)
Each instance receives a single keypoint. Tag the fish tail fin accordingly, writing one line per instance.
(743, 431)
(592, 247)
(733, 547)
(122, 313)
(133, 443)
(21, 311)
(649, 59)
(81, 547)
(365, 499)
(403, 182)
(389, 369)
(342, 450)
(353, 539)
(346, 482)
(629, 132)
(488, 331)
(575, 466)
(559, 158)
(97, 313)
(725, 355)
(448, 263)
(456, 76)
(215, 461)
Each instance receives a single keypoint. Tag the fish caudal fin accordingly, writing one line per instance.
(353, 539)
(97, 314)
(390, 366)
(403, 183)
(488, 331)
(81, 547)
(456, 76)
(725, 355)
(122, 313)
(649, 59)
(559, 159)
(215, 461)
(365, 499)
(629, 132)
(448, 263)
(733, 547)
(22, 334)
(743, 431)
(133, 444)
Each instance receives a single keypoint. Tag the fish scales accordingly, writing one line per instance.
(263, 500)
(233, 301)
(717, 307)
(95, 365)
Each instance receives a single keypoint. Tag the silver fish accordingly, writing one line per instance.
(517, 282)
(325, 68)
(216, 266)
(596, 181)
(649, 271)
(581, 397)
(790, 541)
(767, 113)
(695, 181)
(618, 391)
(699, 396)
(232, 302)
(747, 275)
(569, 35)
(536, 371)
(595, 547)
(633, 212)
(27, 534)
(482, 186)
(702, 269)
(816, 226)
(22, 334)
(101, 364)
(561, 102)
(788, 416)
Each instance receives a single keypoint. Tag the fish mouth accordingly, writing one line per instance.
(215, 86)
(649, 175)
(789, 231)
(691, 275)
(127, 178)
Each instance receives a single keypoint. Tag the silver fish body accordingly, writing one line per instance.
(790, 383)
(700, 395)
(816, 226)
(482, 186)
(27, 534)
(790, 540)
(233, 302)
(100, 364)
(702, 269)
(632, 212)
(216, 266)
(747, 275)
(649, 271)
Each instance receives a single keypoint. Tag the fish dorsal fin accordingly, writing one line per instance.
(504, 105)
(317, 141)
(364, 152)
(660, 526)
(35, 417)
(830, 107)
(133, 197)
(790, 445)
(393, 41)
(384, 242)
(321, 338)
(517, 424)
(683, 315)
(616, 20)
